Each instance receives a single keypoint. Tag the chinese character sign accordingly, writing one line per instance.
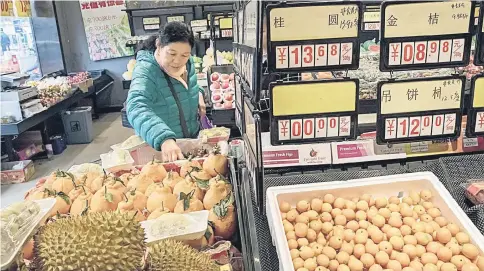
(107, 29)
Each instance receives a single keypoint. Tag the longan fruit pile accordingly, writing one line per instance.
(366, 233)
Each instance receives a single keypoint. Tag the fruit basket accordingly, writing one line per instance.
(395, 187)
(221, 86)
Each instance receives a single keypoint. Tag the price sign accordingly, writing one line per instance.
(151, 23)
(6, 6)
(313, 111)
(225, 23)
(479, 56)
(245, 65)
(421, 35)
(179, 18)
(420, 109)
(475, 115)
(22, 8)
(313, 36)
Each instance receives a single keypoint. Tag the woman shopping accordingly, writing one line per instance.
(165, 101)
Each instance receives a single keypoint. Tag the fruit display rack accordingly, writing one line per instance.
(451, 171)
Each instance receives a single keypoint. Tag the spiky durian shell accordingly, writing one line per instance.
(171, 255)
(96, 241)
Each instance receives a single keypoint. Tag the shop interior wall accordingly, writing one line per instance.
(76, 54)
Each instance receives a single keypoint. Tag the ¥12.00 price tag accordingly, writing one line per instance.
(425, 34)
(313, 111)
(313, 36)
(475, 114)
(419, 109)
(479, 55)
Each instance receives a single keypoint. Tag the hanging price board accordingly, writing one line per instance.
(420, 109)
(313, 36)
(475, 115)
(6, 6)
(422, 34)
(479, 56)
(313, 111)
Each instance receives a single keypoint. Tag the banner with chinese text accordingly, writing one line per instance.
(107, 29)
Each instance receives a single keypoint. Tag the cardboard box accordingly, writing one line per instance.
(10, 175)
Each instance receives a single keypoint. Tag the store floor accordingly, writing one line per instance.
(108, 131)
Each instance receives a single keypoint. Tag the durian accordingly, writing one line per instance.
(171, 255)
(95, 241)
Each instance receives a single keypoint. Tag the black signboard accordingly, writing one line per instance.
(420, 109)
(321, 36)
(475, 114)
(313, 111)
(425, 34)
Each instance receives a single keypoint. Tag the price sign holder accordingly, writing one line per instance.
(425, 34)
(253, 150)
(313, 36)
(245, 65)
(479, 55)
(419, 109)
(313, 111)
(475, 115)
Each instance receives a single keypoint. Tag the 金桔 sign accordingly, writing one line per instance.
(475, 115)
(313, 111)
(313, 36)
(479, 56)
(425, 34)
(419, 109)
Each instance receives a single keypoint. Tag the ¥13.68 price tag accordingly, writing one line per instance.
(313, 111)
(425, 34)
(313, 36)
(479, 56)
(419, 109)
(475, 115)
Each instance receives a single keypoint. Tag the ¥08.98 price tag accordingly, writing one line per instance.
(419, 109)
(419, 35)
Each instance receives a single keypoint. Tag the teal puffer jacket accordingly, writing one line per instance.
(151, 108)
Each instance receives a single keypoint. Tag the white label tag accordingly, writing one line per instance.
(433, 51)
(449, 127)
(458, 49)
(296, 129)
(445, 50)
(426, 126)
(346, 53)
(333, 54)
(438, 124)
(415, 126)
(344, 126)
(308, 128)
(408, 51)
(294, 56)
(402, 130)
(390, 128)
(333, 126)
(283, 129)
(479, 122)
(321, 53)
(321, 127)
(282, 59)
(395, 54)
(308, 55)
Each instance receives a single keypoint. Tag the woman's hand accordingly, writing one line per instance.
(202, 108)
(170, 151)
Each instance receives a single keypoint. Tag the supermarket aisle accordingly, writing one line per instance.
(108, 131)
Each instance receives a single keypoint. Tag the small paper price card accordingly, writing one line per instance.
(475, 114)
(419, 109)
(313, 111)
(313, 36)
(179, 18)
(426, 34)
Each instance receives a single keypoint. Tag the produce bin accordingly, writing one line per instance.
(78, 125)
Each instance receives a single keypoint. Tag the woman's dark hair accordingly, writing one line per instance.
(171, 32)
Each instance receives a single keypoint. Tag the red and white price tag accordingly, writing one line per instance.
(438, 125)
(433, 51)
(390, 128)
(283, 127)
(333, 54)
(395, 54)
(408, 49)
(308, 128)
(321, 127)
(282, 58)
(450, 120)
(346, 53)
(402, 130)
(458, 49)
(308, 55)
(426, 126)
(295, 56)
(445, 50)
(479, 122)
(420, 52)
(333, 127)
(415, 126)
(296, 129)
(321, 55)
(344, 126)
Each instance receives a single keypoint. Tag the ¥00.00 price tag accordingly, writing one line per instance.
(313, 111)
(419, 109)
(426, 34)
